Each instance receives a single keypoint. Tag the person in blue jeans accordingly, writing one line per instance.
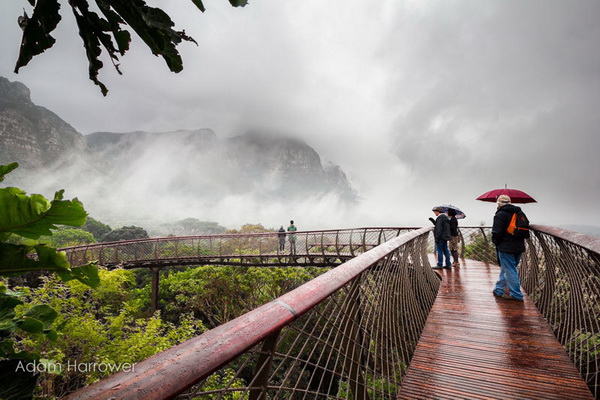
(441, 234)
(509, 249)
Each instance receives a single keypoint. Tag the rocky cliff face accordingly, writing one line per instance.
(178, 169)
(33, 136)
(197, 161)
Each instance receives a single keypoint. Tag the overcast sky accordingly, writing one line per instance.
(419, 102)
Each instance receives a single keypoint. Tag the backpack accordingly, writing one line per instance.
(519, 226)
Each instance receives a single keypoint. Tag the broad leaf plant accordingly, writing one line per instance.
(31, 217)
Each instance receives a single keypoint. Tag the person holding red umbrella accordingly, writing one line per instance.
(509, 247)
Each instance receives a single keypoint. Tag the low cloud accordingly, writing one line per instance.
(420, 103)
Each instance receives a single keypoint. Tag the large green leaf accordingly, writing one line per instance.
(42, 313)
(17, 260)
(87, 274)
(7, 313)
(30, 325)
(34, 216)
(5, 169)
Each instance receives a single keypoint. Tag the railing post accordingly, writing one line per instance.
(154, 294)
(156, 250)
(260, 382)
(350, 343)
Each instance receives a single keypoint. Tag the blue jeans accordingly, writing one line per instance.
(509, 275)
(441, 248)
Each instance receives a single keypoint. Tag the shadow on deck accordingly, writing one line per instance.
(478, 346)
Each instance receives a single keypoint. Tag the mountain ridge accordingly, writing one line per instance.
(193, 166)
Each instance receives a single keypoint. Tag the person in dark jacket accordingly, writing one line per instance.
(441, 234)
(454, 240)
(509, 249)
(281, 235)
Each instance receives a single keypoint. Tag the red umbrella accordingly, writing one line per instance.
(516, 196)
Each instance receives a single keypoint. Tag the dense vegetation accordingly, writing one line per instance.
(26, 218)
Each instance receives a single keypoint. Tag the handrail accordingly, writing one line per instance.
(230, 235)
(583, 240)
(174, 370)
(317, 248)
(560, 271)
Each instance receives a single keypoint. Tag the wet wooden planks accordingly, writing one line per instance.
(478, 346)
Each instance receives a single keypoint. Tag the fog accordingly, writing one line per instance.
(419, 102)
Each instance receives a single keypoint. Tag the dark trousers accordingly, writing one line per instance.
(441, 247)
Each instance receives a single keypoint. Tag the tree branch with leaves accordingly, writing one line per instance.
(107, 31)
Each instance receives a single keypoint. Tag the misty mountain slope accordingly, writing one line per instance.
(32, 135)
(197, 162)
(141, 177)
(286, 166)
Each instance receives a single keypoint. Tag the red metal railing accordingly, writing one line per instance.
(348, 332)
(561, 273)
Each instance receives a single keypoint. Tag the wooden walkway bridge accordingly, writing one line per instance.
(385, 325)
(478, 346)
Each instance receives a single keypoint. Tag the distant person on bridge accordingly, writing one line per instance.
(454, 239)
(509, 248)
(441, 234)
(281, 235)
(292, 237)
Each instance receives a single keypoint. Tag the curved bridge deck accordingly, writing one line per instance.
(477, 346)
(381, 325)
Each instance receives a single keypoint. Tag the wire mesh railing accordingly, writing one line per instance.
(474, 244)
(560, 271)
(326, 247)
(349, 333)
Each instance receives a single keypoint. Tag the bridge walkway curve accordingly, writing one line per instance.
(477, 346)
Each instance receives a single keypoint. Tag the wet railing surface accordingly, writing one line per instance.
(350, 333)
(560, 272)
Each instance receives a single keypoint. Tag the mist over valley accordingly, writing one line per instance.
(153, 178)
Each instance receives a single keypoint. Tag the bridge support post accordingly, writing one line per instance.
(258, 390)
(155, 285)
(351, 343)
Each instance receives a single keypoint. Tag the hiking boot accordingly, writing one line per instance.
(509, 297)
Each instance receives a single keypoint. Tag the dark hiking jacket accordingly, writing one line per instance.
(442, 228)
(453, 226)
(503, 240)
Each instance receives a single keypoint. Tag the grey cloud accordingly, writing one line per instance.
(418, 102)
